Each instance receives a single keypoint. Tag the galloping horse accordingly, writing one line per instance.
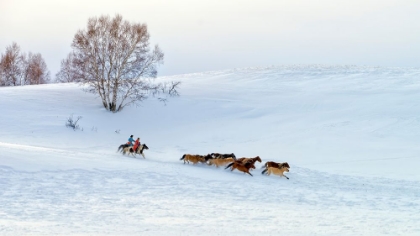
(220, 161)
(244, 167)
(139, 150)
(223, 156)
(275, 164)
(278, 171)
(247, 160)
(193, 158)
(278, 165)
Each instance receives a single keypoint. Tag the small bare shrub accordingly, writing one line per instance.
(71, 123)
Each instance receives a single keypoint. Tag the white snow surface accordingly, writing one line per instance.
(350, 135)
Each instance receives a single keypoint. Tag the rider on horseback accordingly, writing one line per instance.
(136, 144)
(130, 141)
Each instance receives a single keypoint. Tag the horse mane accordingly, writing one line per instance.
(284, 164)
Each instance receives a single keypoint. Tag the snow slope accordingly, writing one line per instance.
(349, 133)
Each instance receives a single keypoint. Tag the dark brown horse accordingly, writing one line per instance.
(244, 167)
(277, 165)
(222, 156)
(247, 160)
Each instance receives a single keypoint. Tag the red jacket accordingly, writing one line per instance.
(136, 144)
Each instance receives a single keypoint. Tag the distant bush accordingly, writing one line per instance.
(71, 123)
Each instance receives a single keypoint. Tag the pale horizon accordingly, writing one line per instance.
(217, 35)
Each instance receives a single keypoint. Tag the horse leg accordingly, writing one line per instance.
(249, 173)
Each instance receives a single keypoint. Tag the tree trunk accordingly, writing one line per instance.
(112, 107)
(114, 96)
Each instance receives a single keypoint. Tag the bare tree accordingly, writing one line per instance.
(113, 57)
(12, 66)
(18, 69)
(67, 72)
(36, 71)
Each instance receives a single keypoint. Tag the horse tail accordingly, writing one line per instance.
(120, 148)
(231, 164)
(263, 172)
(182, 158)
(265, 165)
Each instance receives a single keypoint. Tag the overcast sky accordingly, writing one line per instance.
(203, 35)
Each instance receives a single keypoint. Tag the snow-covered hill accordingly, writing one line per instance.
(349, 133)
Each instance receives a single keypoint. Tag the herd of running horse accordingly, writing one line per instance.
(242, 164)
(226, 160)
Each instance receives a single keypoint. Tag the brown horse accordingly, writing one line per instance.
(247, 160)
(274, 164)
(244, 167)
(220, 162)
(193, 158)
(278, 171)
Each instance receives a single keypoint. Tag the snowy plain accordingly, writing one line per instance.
(350, 135)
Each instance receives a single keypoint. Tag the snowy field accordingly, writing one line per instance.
(350, 135)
